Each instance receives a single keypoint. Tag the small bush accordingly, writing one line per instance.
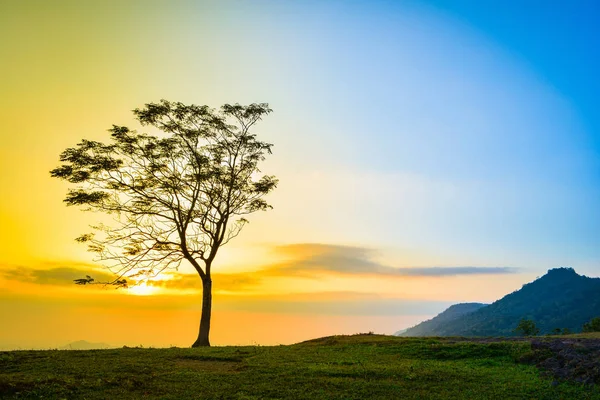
(527, 327)
(592, 326)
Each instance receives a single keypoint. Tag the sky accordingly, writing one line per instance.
(428, 152)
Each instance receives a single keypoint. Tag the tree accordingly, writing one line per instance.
(527, 327)
(592, 326)
(556, 331)
(563, 331)
(174, 197)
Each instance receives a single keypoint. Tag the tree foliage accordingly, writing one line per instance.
(177, 196)
(592, 326)
(527, 327)
(559, 331)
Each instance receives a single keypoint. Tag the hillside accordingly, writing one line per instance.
(432, 326)
(559, 299)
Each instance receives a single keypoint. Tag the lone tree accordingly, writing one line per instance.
(178, 196)
(527, 327)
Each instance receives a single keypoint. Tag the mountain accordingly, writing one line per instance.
(559, 299)
(85, 345)
(433, 326)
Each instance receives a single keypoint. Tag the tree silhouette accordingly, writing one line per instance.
(180, 196)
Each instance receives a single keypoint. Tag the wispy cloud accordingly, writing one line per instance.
(316, 303)
(308, 258)
(49, 274)
(227, 282)
(303, 260)
(53, 275)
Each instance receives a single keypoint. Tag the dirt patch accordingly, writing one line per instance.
(567, 359)
(484, 339)
(9, 388)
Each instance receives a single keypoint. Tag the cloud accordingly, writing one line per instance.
(316, 303)
(305, 260)
(308, 258)
(64, 276)
(176, 280)
(53, 276)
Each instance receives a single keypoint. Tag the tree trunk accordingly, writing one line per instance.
(206, 310)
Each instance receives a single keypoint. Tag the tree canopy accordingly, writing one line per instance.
(177, 196)
(592, 326)
(527, 327)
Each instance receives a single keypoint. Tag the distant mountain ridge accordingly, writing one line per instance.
(559, 299)
(85, 345)
(432, 326)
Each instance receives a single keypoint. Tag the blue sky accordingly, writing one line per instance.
(466, 129)
(559, 40)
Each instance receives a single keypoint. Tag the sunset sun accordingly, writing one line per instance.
(142, 289)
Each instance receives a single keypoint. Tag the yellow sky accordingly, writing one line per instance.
(264, 304)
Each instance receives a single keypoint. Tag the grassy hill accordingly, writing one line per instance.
(559, 299)
(340, 367)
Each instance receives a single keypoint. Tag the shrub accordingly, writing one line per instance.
(526, 327)
(592, 326)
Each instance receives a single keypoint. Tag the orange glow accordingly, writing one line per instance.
(143, 289)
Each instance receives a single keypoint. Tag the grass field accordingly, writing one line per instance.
(340, 367)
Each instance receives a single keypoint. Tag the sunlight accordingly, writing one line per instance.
(142, 289)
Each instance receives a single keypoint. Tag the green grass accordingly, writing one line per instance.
(340, 367)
